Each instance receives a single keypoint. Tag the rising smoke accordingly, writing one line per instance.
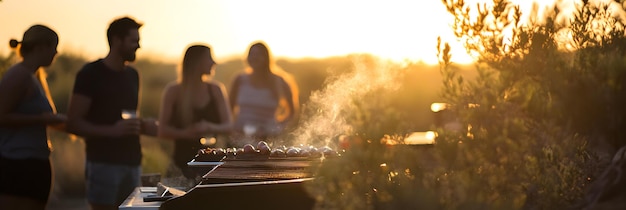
(326, 115)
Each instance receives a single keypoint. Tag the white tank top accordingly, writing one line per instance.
(257, 107)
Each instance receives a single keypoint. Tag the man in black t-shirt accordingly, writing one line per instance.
(103, 89)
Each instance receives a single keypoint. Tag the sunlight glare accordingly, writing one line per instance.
(436, 107)
(427, 137)
(396, 29)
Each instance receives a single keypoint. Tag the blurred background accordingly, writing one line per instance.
(534, 91)
(412, 97)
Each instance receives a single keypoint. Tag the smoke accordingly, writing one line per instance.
(326, 114)
(174, 177)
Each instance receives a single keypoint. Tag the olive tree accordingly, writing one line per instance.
(547, 100)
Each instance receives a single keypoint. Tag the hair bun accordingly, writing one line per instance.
(13, 43)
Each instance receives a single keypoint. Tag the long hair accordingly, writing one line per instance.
(193, 55)
(42, 76)
(283, 109)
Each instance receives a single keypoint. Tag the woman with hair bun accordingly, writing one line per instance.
(26, 111)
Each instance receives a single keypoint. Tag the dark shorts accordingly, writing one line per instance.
(110, 184)
(31, 178)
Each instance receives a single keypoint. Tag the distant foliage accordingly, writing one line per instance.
(311, 75)
(6, 62)
(536, 119)
(540, 110)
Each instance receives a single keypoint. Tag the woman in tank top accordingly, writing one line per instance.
(264, 98)
(26, 111)
(194, 109)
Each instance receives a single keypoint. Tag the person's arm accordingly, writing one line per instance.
(165, 129)
(77, 124)
(13, 88)
(149, 125)
(292, 101)
(223, 110)
(61, 125)
(234, 93)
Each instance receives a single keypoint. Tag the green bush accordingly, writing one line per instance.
(538, 116)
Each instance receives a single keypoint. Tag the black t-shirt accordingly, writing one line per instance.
(110, 92)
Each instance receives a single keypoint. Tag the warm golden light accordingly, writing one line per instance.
(431, 135)
(436, 107)
(396, 29)
(417, 138)
(208, 141)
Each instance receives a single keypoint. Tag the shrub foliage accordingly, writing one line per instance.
(542, 112)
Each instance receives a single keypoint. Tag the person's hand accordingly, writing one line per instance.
(52, 118)
(55, 121)
(201, 127)
(197, 130)
(127, 127)
(149, 126)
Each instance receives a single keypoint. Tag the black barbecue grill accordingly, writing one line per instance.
(258, 183)
(271, 183)
(280, 194)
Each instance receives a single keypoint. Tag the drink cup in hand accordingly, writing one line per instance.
(129, 114)
(129, 125)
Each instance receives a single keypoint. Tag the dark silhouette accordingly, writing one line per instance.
(26, 111)
(264, 99)
(102, 91)
(193, 108)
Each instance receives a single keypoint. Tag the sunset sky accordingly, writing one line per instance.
(394, 29)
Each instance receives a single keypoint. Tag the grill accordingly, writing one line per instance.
(279, 194)
(272, 183)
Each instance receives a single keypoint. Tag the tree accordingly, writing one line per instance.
(545, 89)
(5, 62)
(547, 94)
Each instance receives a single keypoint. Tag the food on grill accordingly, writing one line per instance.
(304, 153)
(263, 147)
(314, 152)
(263, 151)
(248, 152)
(278, 153)
(328, 152)
(248, 148)
(281, 147)
(293, 152)
(231, 152)
(210, 155)
(219, 151)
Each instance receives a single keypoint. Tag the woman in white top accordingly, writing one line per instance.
(264, 98)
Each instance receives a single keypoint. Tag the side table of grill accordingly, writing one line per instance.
(135, 200)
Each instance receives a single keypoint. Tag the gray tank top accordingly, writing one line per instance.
(257, 107)
(31, 141)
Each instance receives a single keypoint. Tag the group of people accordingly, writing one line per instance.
(261, 103)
